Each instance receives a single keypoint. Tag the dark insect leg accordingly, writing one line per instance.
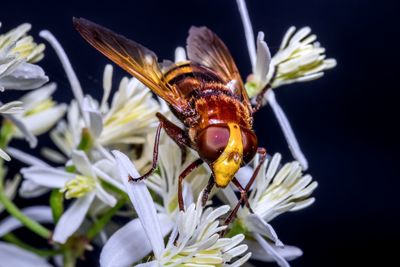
(207, 190)
(260, 98)
(155, 157)
(176, 134)
(244, 191)
(182, 176)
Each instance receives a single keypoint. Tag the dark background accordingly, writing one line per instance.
(346, 122)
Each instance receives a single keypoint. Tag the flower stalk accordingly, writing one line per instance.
(32, 225)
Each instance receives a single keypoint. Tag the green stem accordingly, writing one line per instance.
(16, 212)
(69, 258)
(99, 224)
(41, 252)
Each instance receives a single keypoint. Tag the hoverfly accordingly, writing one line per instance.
(206, 93)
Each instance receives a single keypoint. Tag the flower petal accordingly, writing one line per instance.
(72, 218)
(256, 224)
(25, 132)
(130, 243)
(25, 157)
(143, 203)
(95, 118)
(41, 214)
(25, 76)
(287, 130)
(104, 196)
(82, 163)
(4, 155)
(30, 189)
(258, 253)
(47, 176)
(14, 256)
(41, 122)
(271, 250)
(248, 30)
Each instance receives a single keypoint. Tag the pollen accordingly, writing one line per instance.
(78, 187)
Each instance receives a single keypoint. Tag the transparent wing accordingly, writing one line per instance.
(132, 57)
(206, 48)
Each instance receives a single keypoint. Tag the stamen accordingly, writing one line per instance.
(107, 83)
(180, 54)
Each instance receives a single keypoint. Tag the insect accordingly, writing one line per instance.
(206, 93)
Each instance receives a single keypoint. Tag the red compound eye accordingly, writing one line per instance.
(250, 144)
(211, 141)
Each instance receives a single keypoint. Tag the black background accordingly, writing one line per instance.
(346, 122)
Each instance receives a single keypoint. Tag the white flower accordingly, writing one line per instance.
(41, 112)
(275, 191)
(18, 52)
(198, 242)
(12, 255)
(164, 182)
(300, 58)
(83, 185)
(131, 115)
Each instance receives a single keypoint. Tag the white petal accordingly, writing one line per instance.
(256, 224)
(104, 176)
(11, 107)
(248, 30)
(41, 122)
(14, 256)
(25, 157)
(107, 84)
(244, 174)
(72, 218)
(104, 196)
(95, 118)
(41, 214)
(26, 133)
(4, 155)
(25, 76)
(30, 189)
(180, 54)
(73, 80)
(258, 253)
(269, 249)
(287, 130)
(143, 203)
(263, 60)
(31, 99)
(47, 176)
(149, 264)
(82, 163)
(130, 243)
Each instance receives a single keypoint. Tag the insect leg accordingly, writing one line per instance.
(155, 157)
(176, 134)
(182, 176)
(207, 190)
(243, 191)
(260, 98)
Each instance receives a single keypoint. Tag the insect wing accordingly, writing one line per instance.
(132, 57)
(206, 48)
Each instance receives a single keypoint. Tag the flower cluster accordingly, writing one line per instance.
(99, 144)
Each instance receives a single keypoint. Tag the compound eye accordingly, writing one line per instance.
(212, 141)
(250, 144)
